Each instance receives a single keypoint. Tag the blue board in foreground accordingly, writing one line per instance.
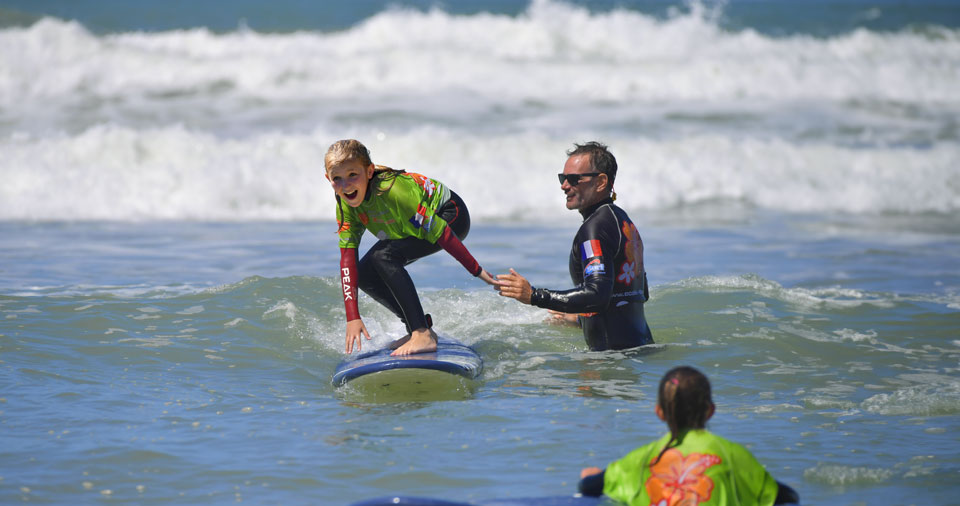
(451, 357)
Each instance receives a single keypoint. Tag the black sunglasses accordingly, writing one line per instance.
(574, 179)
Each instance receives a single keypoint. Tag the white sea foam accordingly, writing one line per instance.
(834, 298)
(112, 172)
(553, 51)
(283, 309)
(930, 395)
(190, 124)
(834, 474)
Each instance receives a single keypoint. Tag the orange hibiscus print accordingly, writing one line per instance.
(633, 265)
(679, 480)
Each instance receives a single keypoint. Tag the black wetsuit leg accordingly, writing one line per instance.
(382, 273)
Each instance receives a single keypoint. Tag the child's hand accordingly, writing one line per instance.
(354, 329)
(488, 279)
(590, 471)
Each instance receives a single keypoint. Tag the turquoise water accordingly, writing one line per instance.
(190, 363)
(170, 314)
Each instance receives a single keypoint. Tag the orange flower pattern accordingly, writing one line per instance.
(633, 265)
(679, 480)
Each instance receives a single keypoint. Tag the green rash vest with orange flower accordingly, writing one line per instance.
(397, 206)
(704, 469)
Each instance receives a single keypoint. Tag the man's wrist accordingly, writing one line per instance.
(537, 296)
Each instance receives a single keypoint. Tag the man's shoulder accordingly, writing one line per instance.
(608, 210)
(606, 215)
(619, 212)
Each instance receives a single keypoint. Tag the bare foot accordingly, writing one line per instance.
(398, 342)
(421, 341)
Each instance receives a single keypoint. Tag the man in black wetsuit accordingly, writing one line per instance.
(606, 262)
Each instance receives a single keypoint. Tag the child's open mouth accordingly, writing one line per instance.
(352, 195)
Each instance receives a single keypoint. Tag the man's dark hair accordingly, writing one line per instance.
(601, 159)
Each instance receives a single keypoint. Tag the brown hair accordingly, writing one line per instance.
(601, 160)
(684, 397)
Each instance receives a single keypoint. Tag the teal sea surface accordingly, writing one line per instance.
(170, 307)
(191, 363)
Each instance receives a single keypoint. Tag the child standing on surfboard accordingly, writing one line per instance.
(412, 216)
(689, 465)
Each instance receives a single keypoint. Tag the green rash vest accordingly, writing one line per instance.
(703, 469)
(396, 206)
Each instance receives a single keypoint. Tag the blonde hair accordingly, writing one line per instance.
(346, 150)
(351, 149)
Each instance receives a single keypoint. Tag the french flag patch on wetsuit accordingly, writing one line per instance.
(590, 249)
(417, 219)
(590, 253)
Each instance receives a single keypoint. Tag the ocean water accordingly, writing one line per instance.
(170, 311)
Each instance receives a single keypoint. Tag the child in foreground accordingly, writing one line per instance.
(690, 465)
(412, 216)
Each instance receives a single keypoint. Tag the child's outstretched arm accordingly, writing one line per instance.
(348, 279)
(452, 245)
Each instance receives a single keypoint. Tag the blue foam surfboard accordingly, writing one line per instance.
(451, 357)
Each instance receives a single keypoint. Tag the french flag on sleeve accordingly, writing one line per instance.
(590, 249)
(418, 219)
